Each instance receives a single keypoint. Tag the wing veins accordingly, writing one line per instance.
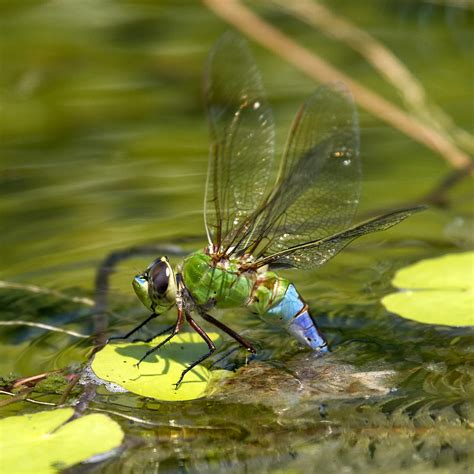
(375, 224)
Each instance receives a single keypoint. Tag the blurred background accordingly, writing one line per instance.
(104, 137)
(104, 145)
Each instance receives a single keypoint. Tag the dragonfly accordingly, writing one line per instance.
(258, 218)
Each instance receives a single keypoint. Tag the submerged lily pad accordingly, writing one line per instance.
(306, 378)
(436, 291)
(158, 373)
(40, 443)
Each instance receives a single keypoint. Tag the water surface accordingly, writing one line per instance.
(104, 145)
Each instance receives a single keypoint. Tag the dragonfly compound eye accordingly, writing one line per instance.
(159, 276)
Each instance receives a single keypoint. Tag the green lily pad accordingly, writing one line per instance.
(38, 443)
(158, 373)
(436, 291)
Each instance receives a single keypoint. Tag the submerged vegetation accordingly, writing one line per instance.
(104, 147)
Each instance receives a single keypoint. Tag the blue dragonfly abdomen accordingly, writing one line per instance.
(277, 301)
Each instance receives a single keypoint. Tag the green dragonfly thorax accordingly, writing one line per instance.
(221, 282)
(156, 286)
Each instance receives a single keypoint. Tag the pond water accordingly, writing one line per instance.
(104, 146)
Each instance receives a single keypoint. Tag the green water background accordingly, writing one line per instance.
(104, 145)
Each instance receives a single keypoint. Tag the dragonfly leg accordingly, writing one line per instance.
(233, 334)
(134, 330)
(176, 329)
(208, 341)
(149, 339)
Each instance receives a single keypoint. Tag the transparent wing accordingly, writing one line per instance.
(318, 252)
(242, 140)
(318, 188)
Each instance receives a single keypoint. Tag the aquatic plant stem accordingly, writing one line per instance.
(48, 327)
(390, 67)
(47, 291)
(19, 397)
(242, 18)
(436, 197)
(16, 398)
(34, 379)
(67, 391)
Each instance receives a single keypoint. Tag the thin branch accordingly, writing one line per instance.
(384, 61)
(18, 397)
(128, 417)
(171, 425)
(461, 4)
(43, 326)
(72, 383)
(89, 393)
(34, 379)
(314, 66)
(47, 291)
(21, 398)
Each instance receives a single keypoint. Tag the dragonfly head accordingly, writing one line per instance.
(156, 286)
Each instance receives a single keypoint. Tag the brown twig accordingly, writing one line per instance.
(33, 380)
(461, 4)
(72, 383)
(89, 393)
(384, 61)
(314, 66)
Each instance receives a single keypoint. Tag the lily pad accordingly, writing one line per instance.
(158, 373)
(40, 443)
(436, 291)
